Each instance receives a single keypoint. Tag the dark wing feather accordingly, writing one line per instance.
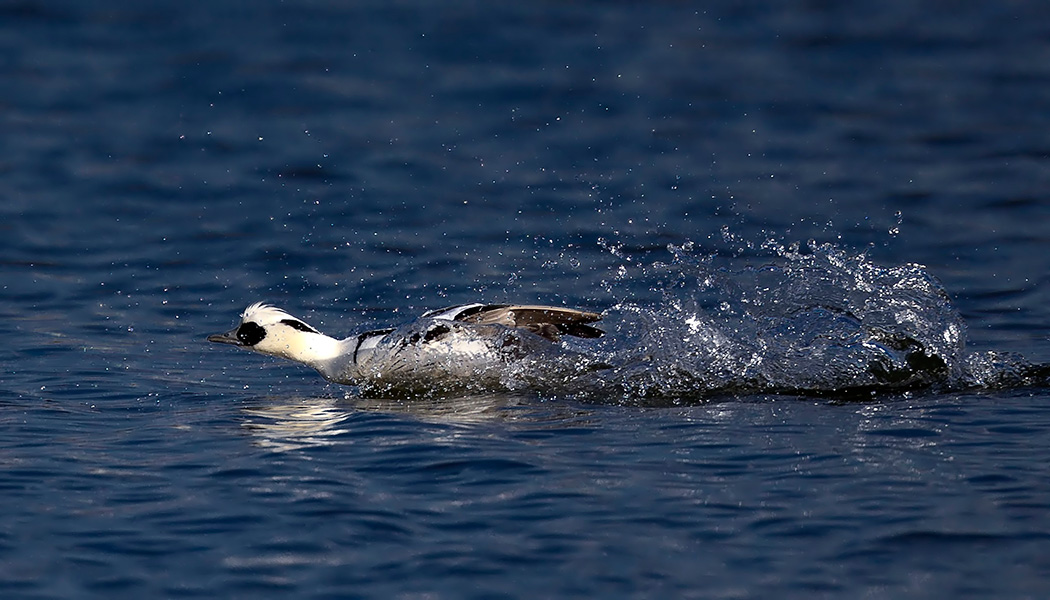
(547, 321)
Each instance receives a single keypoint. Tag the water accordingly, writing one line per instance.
(166, 164)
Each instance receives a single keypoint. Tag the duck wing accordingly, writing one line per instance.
(550, 322)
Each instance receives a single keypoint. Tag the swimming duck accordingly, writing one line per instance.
(469, 343)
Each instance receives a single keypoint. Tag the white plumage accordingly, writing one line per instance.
(469, 345)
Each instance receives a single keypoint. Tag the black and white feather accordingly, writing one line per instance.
(472, 344)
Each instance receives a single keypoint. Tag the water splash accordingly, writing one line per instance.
(740, 318)
(811, 319)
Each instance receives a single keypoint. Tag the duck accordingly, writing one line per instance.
(471, 345)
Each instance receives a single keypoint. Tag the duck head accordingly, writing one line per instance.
(270, 330)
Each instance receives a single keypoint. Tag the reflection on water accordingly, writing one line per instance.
(284, 424)
(467, 409)
(297, 424)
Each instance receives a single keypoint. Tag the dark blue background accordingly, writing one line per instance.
(162, 164)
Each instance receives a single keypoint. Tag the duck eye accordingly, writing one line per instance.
(250, 333)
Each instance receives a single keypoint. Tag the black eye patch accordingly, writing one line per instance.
(298, 325)
(250, 333)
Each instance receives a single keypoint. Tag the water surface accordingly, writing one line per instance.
(166, 164)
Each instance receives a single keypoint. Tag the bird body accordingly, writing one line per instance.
(470, 345)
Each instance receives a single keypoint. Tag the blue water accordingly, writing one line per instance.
(164, 164)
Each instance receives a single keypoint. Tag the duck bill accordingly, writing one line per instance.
(230, 337)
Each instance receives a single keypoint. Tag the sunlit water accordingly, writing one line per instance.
(852, 416)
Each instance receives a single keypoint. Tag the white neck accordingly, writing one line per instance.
(332, 358)
(313, 349)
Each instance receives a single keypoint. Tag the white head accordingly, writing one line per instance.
(272, 331)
